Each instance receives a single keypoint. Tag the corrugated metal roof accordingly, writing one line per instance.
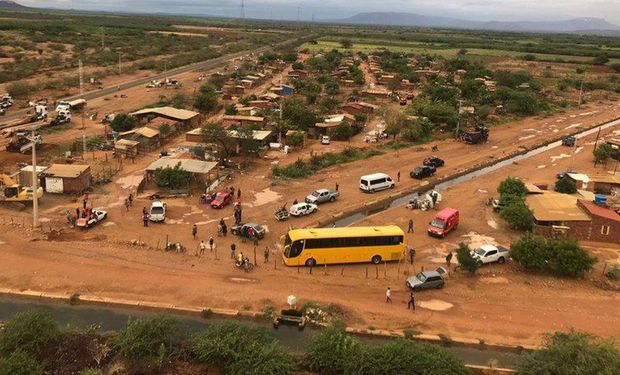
(552, 206)
(244, 118)
(189, 165)
(258, 135)
(606, 179)
(66, 170)
(178, 114)
(147, 132)
(600, 211)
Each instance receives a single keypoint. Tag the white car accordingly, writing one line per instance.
(301, 209)
(491, 253)
(95, 217)
(158, 211)
(325, 140)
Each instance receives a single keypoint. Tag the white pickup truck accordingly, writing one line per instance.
(491, 253)
(322, 196)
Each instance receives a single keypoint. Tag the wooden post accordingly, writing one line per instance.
(310, 270)
(158, 244)
(376, 271)
(342, 271)
(325, 268)
(166, 244)
(398, 271)
(366, 271)
(256, 264)
(384, 269)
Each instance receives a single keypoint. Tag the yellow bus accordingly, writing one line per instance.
(309, 247)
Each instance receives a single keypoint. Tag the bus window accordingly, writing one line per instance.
(296, 249)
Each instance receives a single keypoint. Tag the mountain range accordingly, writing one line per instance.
(577, 25)
(8, 4)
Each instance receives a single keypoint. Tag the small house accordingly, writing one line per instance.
(239, 120)
(126, 147)
(67, 178)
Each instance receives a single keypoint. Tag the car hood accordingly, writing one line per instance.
(311, 198)
(413, 281)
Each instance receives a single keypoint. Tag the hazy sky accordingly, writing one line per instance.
(483, 10)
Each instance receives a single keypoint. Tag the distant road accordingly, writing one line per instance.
(208, 64)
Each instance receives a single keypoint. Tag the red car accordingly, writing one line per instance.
(221, 200)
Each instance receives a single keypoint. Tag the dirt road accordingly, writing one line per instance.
(501, 304)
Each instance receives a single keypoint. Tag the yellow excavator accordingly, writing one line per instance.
(11, 191)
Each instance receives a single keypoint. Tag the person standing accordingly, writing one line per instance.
(411, 303)
(448, 259)
(77, 212)
(266, 254)
(144, 211)
(202, 247)
(337, 186)
(224, 230)
(411, 255)
(145, 219)
(239, 193)
(410, 227)
(388, 295)
(130, 199)
(233, 249)
(211, 244)
(194, 231)
(126, 204)
(398, 176)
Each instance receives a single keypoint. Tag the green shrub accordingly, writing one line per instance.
(206, 99)
(562, 257)
(240, 349)
(518, 215)
(295, 139)
(19, 363)
(150, 339)
(91, 371)
(333, 351)
(28, 331)
(572, 353)
(123, 122)
(343, 132)
(602, 152)
(566, 185)
(466, 259)
(512, 186)
(19, 90)
(172, 177)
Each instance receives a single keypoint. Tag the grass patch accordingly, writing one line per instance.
(305, 168)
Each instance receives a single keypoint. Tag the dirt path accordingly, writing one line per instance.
(501, 304)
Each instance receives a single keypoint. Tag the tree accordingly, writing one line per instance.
(215, 133)
(343, 132)
(332, 88)
(329, 104)
(332, 351)
(19, 363)
(206, 99)
(615, 67)
(298, 65)
(295, 139)
(164, 130)
(346, 43)
(572, 353)
(230, 109)
(512, 186)
(298, 114)
(178, 101)
(466, 259)
(418, 130)
(123, 122)
(601, 59)
(566, 185)
(150, 340)
(248, 144)
(531, 252)
(462, 52)
(217, 80)
(395, 83)
(518, 215)
(172, 177)
(28, 331)
(602, 152)
(395, 122)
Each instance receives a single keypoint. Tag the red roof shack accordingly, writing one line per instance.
(605, 224)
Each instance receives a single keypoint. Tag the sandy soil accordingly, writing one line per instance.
(101, 261)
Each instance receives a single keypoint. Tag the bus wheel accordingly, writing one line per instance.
(310, 262)
(376, 259)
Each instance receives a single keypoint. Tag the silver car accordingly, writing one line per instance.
(427, 280)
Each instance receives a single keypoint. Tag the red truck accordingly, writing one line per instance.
(445, 221)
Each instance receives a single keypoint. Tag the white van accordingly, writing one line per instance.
(158, 211)
(375, 182)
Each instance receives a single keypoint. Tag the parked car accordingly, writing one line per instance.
(322, 196)
(95, 217)
(433, 161)
(375, 182)
(427, 280)
(403, 101)
(491, 253)
(444, 222)
(248, 230)
(569, 141)
(158, 211)
(301, 209)
(423, 171)
(221, 200)
(325, 140)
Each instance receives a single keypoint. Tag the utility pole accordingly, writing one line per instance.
(81, 78)
(458, 117)
(102, 39)
(35, 198)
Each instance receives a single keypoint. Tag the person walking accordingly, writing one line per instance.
(337, 186)
(410, 227)
(411, 255)
(448, 259)
(126, 204)
(202, 247)
(239, 193)
(233, 249)
(266, 254)
(77, 212)
(194, 231)
(388, 295)
(144, 211)
(211, 244)
(224, 230)
(145, 219)
(398, 176)
(130, 199)
(411, 303)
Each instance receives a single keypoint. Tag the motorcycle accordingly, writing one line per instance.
(281, 214)
(245, 265)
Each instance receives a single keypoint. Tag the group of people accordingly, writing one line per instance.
(410, 304)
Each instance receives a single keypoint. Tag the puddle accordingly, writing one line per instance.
(45, 219)
(578, 150)
(265, 196)
(476, 239)
(130, 182)
(242, 280)
(482, 191)
(492, 223)
(205, 222)
(542, 166)
(573, 126)
(108, 224)
(527, 137)
(435, 305)
(494, 280)
(174, 221)
(558, 157)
